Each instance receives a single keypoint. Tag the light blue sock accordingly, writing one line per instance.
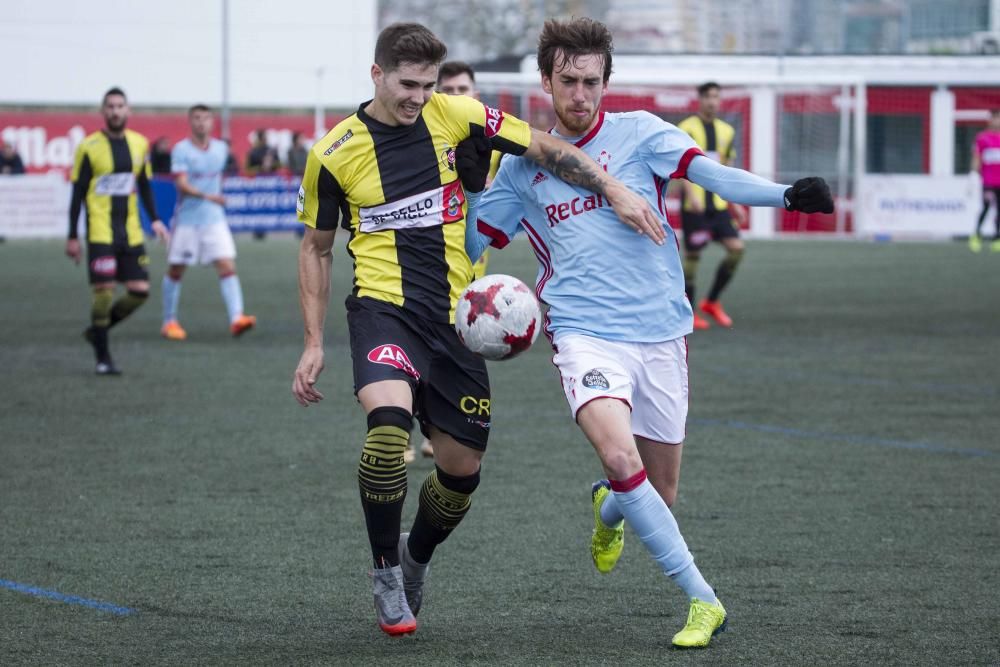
(610, 513)
(650, 518)
(171, 297)
(232, 293)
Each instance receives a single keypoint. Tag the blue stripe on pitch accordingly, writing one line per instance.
(842, 437)
(68, 599)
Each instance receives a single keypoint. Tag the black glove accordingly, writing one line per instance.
(809, 195)
(472, 160)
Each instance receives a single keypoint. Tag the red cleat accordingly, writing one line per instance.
(714, 310)
(242, 324)
(700, 323)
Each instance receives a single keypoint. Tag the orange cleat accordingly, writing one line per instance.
(714, 310)
(242, 324)
(700, 323)
(172, 330)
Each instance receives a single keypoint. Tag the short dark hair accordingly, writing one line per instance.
(199, 107)
(408, 43)
(707, 87)
(114, 90)
(574, 38)
(454, 68)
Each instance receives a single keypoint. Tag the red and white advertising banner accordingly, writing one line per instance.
(47, 140)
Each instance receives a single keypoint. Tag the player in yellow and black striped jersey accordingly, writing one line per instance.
(387, 175)
(110, 166)
(705, 216)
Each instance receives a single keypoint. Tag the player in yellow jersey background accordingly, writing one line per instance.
(705, 216)
(110, 167)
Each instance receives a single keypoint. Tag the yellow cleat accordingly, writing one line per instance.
(606, 543)
(995, 246)
(705, 620)
(975, 244)
(172, 330)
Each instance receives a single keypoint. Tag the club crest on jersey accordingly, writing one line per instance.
(594, 379)
(604, 159)
(393, 355)
(339, 142)
(494, 119)
(448, 157)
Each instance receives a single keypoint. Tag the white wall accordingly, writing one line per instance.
(168, 52)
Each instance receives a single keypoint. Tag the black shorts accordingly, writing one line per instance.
(118, 263)
(700, 228)
(451, 388)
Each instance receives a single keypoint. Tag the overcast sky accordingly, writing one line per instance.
(169, 53)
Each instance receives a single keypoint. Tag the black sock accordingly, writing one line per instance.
(444, 501)
(382, 480)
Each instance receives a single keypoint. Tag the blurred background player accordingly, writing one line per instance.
(458, 78)
(705, 216)
(109, 167)
(618, 315)
(201, 235)
(986, 161)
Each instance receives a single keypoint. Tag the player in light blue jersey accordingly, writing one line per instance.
(201, 234)
(618, 316)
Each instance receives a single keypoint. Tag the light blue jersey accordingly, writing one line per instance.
(599, 277)
(204, 172)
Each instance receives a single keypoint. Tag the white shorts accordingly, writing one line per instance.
(201, 244)
(651, 378)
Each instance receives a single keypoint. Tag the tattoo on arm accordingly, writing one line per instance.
(573, 167)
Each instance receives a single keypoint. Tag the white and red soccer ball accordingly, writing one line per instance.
(497, 317)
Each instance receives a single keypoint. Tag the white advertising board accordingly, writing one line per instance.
(917, 206)
(34, 206)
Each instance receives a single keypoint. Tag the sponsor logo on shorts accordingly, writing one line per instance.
(471, 405)
(594, 379)
(477, 422)
(339, 142)
(494, 120)
(143, 260)
(393, 355)
(104, 266)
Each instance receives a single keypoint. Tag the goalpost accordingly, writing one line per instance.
(889, 134)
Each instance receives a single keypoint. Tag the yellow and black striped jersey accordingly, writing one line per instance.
(106, 175)
(718, 140)
(395, 188)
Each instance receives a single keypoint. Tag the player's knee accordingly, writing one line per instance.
(381, 470)
(139, 294)
(390, 416)
(463, 484)
(175, 273)
(690, 265)
(621, 463)
(733, 257)
(100, 308)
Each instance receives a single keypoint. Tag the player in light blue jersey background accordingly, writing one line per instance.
(200, 232)
(618, 316)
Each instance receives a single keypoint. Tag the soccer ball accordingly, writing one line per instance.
(497, 317)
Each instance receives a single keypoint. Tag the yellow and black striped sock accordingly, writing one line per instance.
(127, 305)
(444, 501)
(100, 320)
(382, 479)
